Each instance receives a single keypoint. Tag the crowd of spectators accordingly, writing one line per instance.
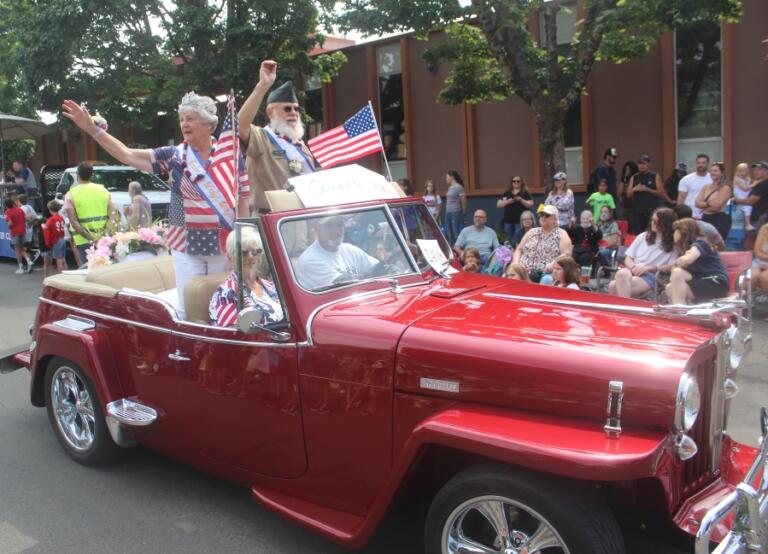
(655, 237)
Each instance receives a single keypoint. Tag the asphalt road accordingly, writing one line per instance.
(149, 503)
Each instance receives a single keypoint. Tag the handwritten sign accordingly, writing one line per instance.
(341, 185)
(435, 257)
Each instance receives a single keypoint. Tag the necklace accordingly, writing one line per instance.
(185, 153)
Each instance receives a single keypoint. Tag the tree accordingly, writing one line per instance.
(133, 59)
(493, 51)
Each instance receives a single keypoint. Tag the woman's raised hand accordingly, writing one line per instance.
(78, 114)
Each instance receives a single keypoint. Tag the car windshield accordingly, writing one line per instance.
(117, 181)
(339, 249)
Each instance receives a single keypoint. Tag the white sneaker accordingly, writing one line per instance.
(20, 271)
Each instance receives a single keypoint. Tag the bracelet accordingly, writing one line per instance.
(98, 133)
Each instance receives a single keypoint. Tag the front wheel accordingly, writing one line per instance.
(499, 510)
(75, 414)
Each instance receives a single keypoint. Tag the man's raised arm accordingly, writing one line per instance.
(250, 107)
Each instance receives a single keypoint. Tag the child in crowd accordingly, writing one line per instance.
(566, 272)
(432, 200)
(56, 244)
(516, 271)
(17, 226)
(32, 221)
(599, 199)
(741, 189)
(472, 263)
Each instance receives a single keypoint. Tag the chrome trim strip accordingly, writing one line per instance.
(167, 331)
(612, 425)
(717, 404)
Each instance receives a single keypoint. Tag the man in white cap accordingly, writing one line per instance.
(329, 259)
(274, 153)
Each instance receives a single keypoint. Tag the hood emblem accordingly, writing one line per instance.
(615, 398)
(439, 384)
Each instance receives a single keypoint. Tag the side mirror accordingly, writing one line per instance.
(250, 320)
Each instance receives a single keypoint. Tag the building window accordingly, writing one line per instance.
(392, 112)
(698, 76)
(567, 25)
(313, 106)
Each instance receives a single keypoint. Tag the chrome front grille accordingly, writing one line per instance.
(708, 367)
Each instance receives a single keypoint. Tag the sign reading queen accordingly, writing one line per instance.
(341, 185)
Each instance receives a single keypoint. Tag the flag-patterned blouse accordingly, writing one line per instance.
(193, 226)
(223, 307)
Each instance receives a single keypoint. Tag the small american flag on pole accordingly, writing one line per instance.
(223, 170)
(357, 137)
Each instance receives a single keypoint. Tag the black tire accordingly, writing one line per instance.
(86, 439)
(580, 519)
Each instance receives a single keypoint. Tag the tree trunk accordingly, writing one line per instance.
(552, 144)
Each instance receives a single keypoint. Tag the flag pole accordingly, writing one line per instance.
(378, 134)
(235, 151)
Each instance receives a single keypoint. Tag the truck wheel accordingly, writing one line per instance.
(75, 414)
(491, 509)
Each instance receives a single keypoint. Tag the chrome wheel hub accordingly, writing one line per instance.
(498, 525)
(73, 409)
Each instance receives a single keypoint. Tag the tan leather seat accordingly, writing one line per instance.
(151, 275)
(198, 293)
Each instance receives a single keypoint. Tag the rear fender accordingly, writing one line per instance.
(89, 349)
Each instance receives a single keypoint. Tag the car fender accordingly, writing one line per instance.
(561, 446)
(89, 349)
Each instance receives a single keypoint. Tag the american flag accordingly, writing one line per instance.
(223, 170)
(357, 137)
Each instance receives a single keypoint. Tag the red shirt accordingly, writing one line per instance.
(54, 230)
(17, 223)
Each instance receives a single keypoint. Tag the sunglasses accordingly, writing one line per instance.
(516, 180)
(289, 109)
(544, 214)
(253, 253)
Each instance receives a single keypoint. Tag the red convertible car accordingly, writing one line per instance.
(526, 415)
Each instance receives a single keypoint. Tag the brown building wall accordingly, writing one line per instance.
(504, 147)
(626, 110)
(750, 84)
(435, 127)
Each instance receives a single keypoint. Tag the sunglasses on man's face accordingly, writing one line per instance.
(289, 109)
(253, 253)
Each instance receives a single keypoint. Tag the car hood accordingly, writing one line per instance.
(526, 346)
(507, 343)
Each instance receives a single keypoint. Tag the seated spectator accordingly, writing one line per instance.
(586, 239)
(611, 235)
(652, 250)
(472, 261)
(478, 236)
(708, 230)
(541, 245)
(760, 263)
(258, 292)
(527, 222)
(516, 271)
(329, 259)
(566, 273)
(699, 274)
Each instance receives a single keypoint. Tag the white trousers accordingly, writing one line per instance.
(187, 266)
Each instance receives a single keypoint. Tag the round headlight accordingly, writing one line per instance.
(688, 402)
(736, 347)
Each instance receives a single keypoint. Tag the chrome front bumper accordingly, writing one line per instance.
(749, 506)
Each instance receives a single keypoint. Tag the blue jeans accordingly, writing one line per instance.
(454, 221)
(511, 230)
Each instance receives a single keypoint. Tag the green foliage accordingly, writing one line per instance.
(130, 59)
(19, 150)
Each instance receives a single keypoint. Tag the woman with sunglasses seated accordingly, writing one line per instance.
(258, 291)
(541, 245)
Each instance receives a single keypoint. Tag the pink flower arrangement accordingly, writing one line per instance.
(114, 248)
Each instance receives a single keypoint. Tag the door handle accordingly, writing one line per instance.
(177, 357)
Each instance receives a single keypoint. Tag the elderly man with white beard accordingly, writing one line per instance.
(274, 153)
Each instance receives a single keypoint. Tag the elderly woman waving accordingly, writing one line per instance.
(202, 210)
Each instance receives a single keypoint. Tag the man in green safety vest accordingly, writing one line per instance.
(89, 207)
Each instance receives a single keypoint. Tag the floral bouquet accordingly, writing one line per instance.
(115, 248)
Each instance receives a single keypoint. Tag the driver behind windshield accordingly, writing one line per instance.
(259, 292)
(329, 260)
